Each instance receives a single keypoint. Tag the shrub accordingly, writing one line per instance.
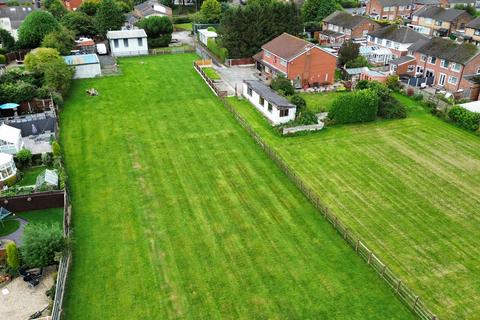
(160, 42)
(182, 19)
(418, 97)
(41, 243)
(362, 84)
(358, 106)
(24, 156)
(464, 118)
(56, 149)
(392, 109)
(299, 102)
(306, 117)
(410, 92)
(13, 258)
(35, 27)
(283, 84)
(218, 50)
(2, 59)
(393, 82)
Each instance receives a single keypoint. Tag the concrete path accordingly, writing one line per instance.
(17, 235)
(234, 76)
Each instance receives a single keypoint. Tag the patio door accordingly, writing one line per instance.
(441, 79)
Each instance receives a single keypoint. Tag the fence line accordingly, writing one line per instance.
(198, 66)
(171, 51)
(406, 295)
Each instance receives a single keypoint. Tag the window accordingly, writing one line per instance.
(388, 43)
(348, 31)
(269, 107)
(267, 54)
(396, 46)
(456, 67)
(444, 63)
(393, 67)
(410, 68)
(125, 43)
(478, 71)
(438, 22)
(283, 62)
(477, 32)
(401, 8)
(262, 101)
(452, 80)
(140, 42)
(115, 43)
(249, 91)
(423, 57)
(284, 113)
(432, 60)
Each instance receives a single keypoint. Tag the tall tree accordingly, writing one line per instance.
(35, 27)
(57, 9)
(80, 23)
(7, 41)
(158, 29)
(62, 39)
(349, 51)
(317, 10)
(89, 7)
(109, 16)
(210, 11)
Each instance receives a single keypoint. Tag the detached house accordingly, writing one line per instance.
(298, 60)
(397, 39)
(339, 27)
(389, 9)
(12, 17)
(439, 22)
(147, 9)
(451, 65)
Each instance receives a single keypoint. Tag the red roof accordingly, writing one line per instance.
(72, 4)
(287, 46)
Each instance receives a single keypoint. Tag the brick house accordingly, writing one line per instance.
(389, 9)
(404, 65)
(304, 63)
(340, 26)
(472, 31)
(395, 38)
(453, 3)
(452, 65)
(439, 22)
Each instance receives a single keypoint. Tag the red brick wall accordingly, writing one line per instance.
(316, 66)
(366, 25)
(437, 70)
(403, 68)
(274, 61)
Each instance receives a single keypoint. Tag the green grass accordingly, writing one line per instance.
(211, 73)
(319, 102)
(184, 26)
(410, 188)
(30, 176)
(179, 214)
(46, 216)
(8, 226)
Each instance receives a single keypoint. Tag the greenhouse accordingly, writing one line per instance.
(10, 139)
(48, 179)
(7, 167)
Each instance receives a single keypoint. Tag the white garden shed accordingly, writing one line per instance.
(86, 65)
(204, 35)
(128, 42)
(7, 166)
(10, 139)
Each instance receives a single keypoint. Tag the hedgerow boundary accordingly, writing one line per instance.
(405, 294)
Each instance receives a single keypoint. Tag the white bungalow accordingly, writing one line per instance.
(7, 167)
(10, 139)
(273, 106)
(204, 35)
(128, 42)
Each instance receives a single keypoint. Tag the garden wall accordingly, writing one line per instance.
(240, 62)
(34, 201)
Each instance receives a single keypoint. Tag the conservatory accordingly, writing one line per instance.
(10, 139)
(7, 167)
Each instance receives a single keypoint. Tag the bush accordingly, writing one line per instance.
(299, 102)
(57, 152)
(306, 117)
(13, 258)
(3, 59)
(464, 118)
(35, 27)
(418, 97)
(392, 109)
(47, 159)
(393, 82)
(358, 106)
(283, 84)
(24, 157)
(217, 50)
(410, 92)
(159, 42)
(182, 19)
(41, 243)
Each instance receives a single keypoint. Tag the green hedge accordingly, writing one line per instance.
(464, 118)
(358, 106)
(217, 50)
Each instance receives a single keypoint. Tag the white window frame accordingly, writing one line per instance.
(411, 68)
(444, 79)
(452, 82)
(442, 63)
(454, 67)
(430, 58)
(423, 57)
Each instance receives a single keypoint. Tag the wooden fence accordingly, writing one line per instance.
(405, 295)
(198, 66)
(173, 50)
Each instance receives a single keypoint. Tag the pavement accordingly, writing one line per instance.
(234, 76)
(18, 301)
(38, 144)
(183, 37)
(17, 235)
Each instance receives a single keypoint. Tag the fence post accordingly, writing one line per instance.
(416, 301)
(398, 285)
(356, 245)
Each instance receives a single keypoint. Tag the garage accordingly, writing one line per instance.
(86, 65)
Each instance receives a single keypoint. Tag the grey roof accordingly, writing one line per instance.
(474, 24)
(427, 2)
(439, 13)
(461, 1)
(344, 19)
(401, 60)
(125, 34)
(268, 94)
(331, 33)
(147, 7)
(398, 34)
(446, 49)
(16, 14)
(393, 3)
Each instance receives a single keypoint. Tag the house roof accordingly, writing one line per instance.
(474, 24)
(439, 13)
(398, 34)
(9, 134)
(287, 46)
(394, 3)
(16, 14)
(150, 7)
(460, 1)
(126, 34)
(330, 33)
(344, 19)
(401, 60)
(81, 59)
(427, 2)
(268, 94)
(446, 49)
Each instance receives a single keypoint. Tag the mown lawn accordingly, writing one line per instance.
(178, 213)
(30, 176)
(410, 188)
(46, 216)
(319, 102)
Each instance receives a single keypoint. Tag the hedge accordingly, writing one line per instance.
(217, 50)
(464, 118)
(358, 106)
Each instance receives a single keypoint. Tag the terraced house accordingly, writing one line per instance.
(439, 22)
(452, 66)
(389, 9)
(339, 27)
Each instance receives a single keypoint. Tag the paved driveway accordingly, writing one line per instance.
(234, 76)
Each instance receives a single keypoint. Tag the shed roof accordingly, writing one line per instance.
(153, 6)
(126, 34)
(398, 34)
(81, 59)
(473, 106)
(330, 33)
(207, 33)
(9, 134)
(439, 13)
(344, 19)
(446, 49)
(268, 94)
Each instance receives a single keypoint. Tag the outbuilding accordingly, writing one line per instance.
(86, 65)
(7, 167)
(204, 35)
(273, 106)
(128, 42)
(10, 139)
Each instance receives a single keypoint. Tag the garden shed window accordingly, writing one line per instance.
(115, 43)
(284, 113)
(262, 101)
(269, 107)
(125, 43)
(140, 42)
(249, 91)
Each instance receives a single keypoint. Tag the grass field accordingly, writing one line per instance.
(319, 102)
(410, 188)
(178, 214)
